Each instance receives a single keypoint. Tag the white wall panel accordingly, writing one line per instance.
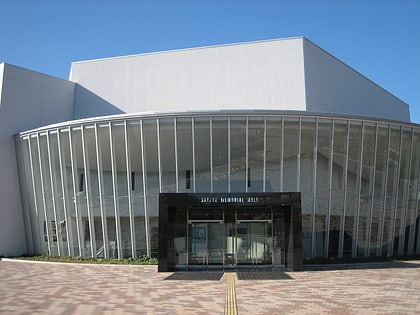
(334, 87)
(261, 75)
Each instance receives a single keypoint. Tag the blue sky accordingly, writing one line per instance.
(378, 38)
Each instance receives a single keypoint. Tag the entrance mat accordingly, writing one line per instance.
(195, 275)
(263, 275)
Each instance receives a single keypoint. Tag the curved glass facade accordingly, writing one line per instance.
(91, 188)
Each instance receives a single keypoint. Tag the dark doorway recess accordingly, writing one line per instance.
(230, 231)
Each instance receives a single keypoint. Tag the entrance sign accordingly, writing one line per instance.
(230, 231)
(236, 199)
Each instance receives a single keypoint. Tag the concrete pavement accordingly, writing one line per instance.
(52, 288)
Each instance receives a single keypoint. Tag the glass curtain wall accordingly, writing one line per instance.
(92, 189)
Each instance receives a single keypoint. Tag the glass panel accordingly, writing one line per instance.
(352, 194)
(152, 180)
(108, 197)
(80, 189)
(153, 203)
(50, 228)
(230, 248)
(255, 153)
(185, 154)
(254, 243)
(366, 189)
(337, 187)
(133, 130)
(99, 197)
(220, 154)
(202, 154)
(206, 244)
(290, 157)
(307, 188)
(273, 154)
(391, 190)
(403, 181)
(167, 155)
(413, 195)
(61, 226)
(93, 190)
(238, 180)
(322, 187)
(118, 132)
(379, 191)
(279, 238)
(71, 222)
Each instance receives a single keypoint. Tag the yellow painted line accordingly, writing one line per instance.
(231, 308)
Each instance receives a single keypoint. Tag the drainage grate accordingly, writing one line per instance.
(262, 275)
(199, 275)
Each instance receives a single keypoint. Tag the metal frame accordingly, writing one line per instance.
(101, 194)
(146, 211)
(129, 191)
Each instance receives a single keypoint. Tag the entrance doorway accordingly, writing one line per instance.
(239, 238)
(205, 243)
(229, 231)
(254, 243)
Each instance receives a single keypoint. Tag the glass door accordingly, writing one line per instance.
(244, 237)
(254, 243)
(205, 243)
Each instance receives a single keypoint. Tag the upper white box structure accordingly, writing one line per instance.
(285, 74)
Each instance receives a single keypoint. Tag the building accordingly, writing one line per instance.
(258, 153)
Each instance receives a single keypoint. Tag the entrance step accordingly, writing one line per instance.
(196, 275)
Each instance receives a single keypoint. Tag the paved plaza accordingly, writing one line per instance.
(52, 288)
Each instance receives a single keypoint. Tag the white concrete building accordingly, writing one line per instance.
(95, 152)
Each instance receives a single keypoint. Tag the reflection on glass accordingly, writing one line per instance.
(290, 155)
(339, 160)
(403, 181)
(167, 155)
(220, 154)
(307, 156)
(205, 244)
(323, 175)
(274, 154)
(137, 188)
(202, 154)
(366, 188)
(185, 154)
(352, 193)
(379, 191)
(256, 138)
(254, 243)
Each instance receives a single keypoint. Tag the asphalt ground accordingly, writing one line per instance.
(54, 288)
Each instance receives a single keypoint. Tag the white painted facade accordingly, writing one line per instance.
(333, 87)
(28, 100)
(277, 75)
(286, 74)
